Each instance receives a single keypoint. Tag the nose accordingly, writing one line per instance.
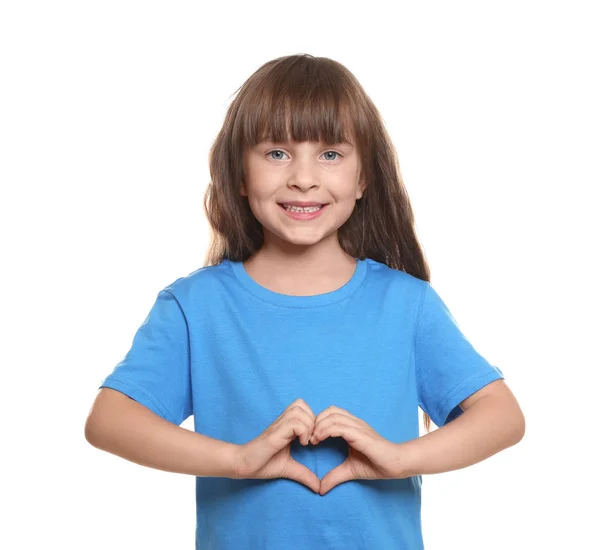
(304, 175)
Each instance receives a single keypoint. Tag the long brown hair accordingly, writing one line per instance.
(311, 98)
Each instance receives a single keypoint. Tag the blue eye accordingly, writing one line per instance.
(334, 152)
(276, 151)
(280, 151)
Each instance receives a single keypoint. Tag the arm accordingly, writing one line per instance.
(122, 426)
(492, 421)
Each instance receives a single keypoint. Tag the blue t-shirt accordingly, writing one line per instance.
(234, 354)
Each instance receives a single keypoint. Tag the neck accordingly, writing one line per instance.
(301, 274)
(303, 261)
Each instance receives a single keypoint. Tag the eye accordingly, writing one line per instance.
(280, 151)
(275, 151)
(335, 153)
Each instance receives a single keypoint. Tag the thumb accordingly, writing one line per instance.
(339, 474)
(299, 472)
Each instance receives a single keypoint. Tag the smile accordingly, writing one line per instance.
(307, 215)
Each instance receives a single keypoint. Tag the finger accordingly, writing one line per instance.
(283, 432)
(350, 433)
(295, 427)
(340, 474)
(300, 410)
(299, 403)
(295, 412)
(335, 410)
(299, 472)
(326, 417)
(327, 423)
(301, 413)
(338, 417)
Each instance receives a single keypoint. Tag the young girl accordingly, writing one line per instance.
(305, 345)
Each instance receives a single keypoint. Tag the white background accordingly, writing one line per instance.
(107, 113)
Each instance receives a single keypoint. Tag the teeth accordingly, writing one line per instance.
(299, 209)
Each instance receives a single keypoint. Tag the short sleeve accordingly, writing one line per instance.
(156, 369)
(448, 369)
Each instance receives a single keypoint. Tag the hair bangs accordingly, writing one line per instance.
(293, 109)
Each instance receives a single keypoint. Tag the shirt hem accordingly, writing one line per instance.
(139, 394)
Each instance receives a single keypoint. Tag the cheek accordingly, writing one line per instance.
(345, 180)
(344, 190)
(262, 181)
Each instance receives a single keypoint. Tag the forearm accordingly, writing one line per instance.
(133, 432)
(483, 430)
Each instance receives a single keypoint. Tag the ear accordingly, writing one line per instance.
(361, 188)
(243, 190)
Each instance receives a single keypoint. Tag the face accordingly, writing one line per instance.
(276, 173)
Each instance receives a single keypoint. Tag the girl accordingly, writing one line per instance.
(305, 345)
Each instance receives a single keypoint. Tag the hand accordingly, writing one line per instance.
(370, 455)
(268, 455)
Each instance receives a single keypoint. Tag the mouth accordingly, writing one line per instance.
(310, 208)
(312, 213)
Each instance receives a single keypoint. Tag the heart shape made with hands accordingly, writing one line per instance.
(370, 456)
